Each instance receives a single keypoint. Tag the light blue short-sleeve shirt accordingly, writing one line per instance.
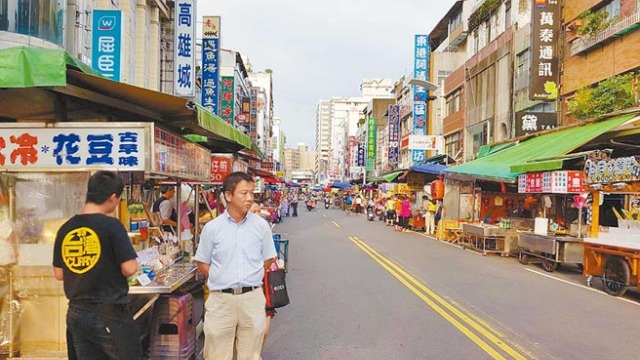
(235, 251)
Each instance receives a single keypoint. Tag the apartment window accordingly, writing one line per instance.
(613, 9)
(452, 144)
(453, 103)
(544, 107)
(455, 22)
(507, 15)
(522, 62)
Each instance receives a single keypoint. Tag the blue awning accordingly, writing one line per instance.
(341, 185)
(434, 169)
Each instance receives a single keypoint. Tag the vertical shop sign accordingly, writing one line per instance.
(227, 100)
(185, 40)
(371, 144)
(545, 36)
(210, 62)
(253, 113)
(394, 135)
(107, 43)
(220, 168)
(420, 94)
(361, 155)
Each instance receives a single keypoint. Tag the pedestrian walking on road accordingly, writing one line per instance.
(294, 205)
(405, 213)
(93, 256)
(234, 251)
(390, 206)
(429, 208)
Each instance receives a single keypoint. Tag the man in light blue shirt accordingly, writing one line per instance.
(234, 251)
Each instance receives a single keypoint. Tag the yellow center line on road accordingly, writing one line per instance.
(422, 291)
(336, 224)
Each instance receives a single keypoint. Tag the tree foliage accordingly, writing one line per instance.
(594, 23)
(610, 95)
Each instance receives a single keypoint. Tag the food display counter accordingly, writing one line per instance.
(551, 249)
(167, 280)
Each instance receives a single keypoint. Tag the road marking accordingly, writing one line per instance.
(336, 224)
(583, 287)
(325, 215)
(415, 286)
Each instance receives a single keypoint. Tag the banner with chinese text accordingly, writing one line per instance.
(107, 43)
(185, 40)
(50, 148)
(420, 94)
(210, 63)
(371, 144)
(545, 37)
(394, 135)
(227, 99)
(220, 168)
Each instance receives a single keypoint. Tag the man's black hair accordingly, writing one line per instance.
(102, 185)
(165, 188)
(232, 180)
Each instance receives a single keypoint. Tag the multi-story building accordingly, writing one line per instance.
(299, 163)
(608, 50)
(323, 139)
(263, 83)
(147, 33)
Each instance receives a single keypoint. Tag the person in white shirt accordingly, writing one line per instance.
(234, 251)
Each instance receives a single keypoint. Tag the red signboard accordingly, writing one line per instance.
(555, 182)
(220, 168)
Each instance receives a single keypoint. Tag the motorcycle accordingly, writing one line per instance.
(326, 204)
(371, 215)
(310, 205)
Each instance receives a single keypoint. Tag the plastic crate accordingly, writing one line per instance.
(173, 334)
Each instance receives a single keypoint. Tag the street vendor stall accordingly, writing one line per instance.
(45, 169)
(612, 253)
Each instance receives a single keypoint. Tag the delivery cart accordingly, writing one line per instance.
(615, 262)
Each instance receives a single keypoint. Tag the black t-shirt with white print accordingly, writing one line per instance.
(90, 249)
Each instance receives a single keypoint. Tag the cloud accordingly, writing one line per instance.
(320, 49)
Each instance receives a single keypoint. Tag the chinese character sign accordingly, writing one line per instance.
(253, 113)
(185, 44)
(220, 168)
(394, 135)
(360, 160)
(210, 63)
(545, 35)
(371, 144)
(421, 66)
(61, 148)
(419, 128)
(227, 99)
(532, 122)
(107, 43)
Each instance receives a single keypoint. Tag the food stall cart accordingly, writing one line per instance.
(563, 242)
(45, 170)
(613, 253)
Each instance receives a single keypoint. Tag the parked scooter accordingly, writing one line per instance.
(371, 215)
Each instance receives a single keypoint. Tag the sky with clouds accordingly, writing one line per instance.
(322, 48)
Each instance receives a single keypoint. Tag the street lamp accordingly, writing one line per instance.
(424, 83)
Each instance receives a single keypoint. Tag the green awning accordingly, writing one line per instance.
(486, 150)
(556, 163)
(498, 166)
(22, 67)
(212, 123)
(388, 177)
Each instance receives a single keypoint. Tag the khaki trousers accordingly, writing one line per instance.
(228, 317)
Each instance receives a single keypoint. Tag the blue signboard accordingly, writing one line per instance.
(107, 43)
(394, 135)
(184, 38)
(420, 94)
(361, 155)
(211, 63)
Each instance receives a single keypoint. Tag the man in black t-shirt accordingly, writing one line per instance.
(93, 256)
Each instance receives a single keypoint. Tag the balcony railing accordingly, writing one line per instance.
(618, 29)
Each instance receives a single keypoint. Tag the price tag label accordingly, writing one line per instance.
(144, 280)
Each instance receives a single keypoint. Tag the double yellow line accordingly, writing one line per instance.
(484, 336)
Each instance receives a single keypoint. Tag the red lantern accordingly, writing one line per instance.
(437, 189)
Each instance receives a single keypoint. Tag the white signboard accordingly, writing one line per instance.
(40, 148)
(356, 170)
(426, 142)
(185, 46)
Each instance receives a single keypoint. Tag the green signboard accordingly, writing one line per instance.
(227, 99)
(371, 144)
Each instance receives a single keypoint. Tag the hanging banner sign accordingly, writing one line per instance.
(107, 43)
(420, 94)
(394, 135)
(50, 148)
(227, 101)
(361, 155)
(545, 37)
(551, 182)
(371, 144)
(253, 114)
(210, 63)
(427, 142)
(185, 40)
